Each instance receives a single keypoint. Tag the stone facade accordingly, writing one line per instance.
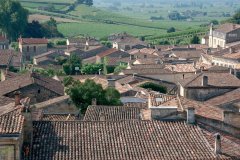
(232, 118)
(31, 50)
(36, 93)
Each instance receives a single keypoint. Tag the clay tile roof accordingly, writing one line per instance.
(112, 113)
(5, 100)
(232, 56)
(2, 38)
(33, 40)
(23, 80)
(181, 67)
(227, 27)
(107, 52)
(214, 80)
(146, 71)
(129, 140)
(5, 57)
(228, 97)
(59, 117)
(11, 122)
(202, 109)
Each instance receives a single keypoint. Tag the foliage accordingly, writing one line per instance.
(236, 18)
(13, 18)
(171, 29)
(68, 81)
(119, 68)
(195, 40)
(215, 22)
(107, 44)
(154, 87)
(72, 63)
(91, 68)
(61, 42)
(50, 29)
(61, 60)
(164, 42)
(87, 2)
(14, 45)
(82, 94)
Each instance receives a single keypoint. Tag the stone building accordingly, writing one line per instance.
(224, 35)
(30, 47)
(204, 86)
(10, 58)
(38, 88)
(4, 42)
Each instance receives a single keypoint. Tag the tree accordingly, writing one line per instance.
(236, 18)
(50, 29)
(154, 87)
(89, 2)
(171, 29)
(215, 22)
(164, 42)
(82, 94)
(72, 64)
(91, 68)
(34, 30)
(13, 18)
(195, 40)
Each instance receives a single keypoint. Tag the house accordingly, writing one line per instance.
(4, 42)
(11, 134)
(224, 35)
(82, 42)
(30, 47)
(204, 86)
(126, 42)
(48, 58)
(38, 88)
(10, 58)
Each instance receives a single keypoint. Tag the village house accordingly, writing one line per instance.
(126, 42)
(10, 58)
(224, 35)
(30, 47)
(4, 42)
(206, 85)
(38, 88)
(82, 42)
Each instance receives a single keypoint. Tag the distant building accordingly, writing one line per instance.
(10, 58)
(31, 47)
(224, 35)
(4, 42)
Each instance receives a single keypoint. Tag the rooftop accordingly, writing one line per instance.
(227, 27)
(119, 140)
(112, 113)
(33, 40)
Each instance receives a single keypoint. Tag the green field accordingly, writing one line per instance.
(107, 17)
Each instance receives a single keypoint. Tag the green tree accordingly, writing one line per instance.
(72, 64)
(91, 68)
(195, 40)
(215, 22)
(236, 18)
(171, 29)
(34, 30)
(89, 2)
(13, 18)
(154, 87)
(82, 94)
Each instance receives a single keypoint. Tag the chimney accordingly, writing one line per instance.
(217, 148)
(205, 81)
(149, 100)
(102, 117)
(190, 115)
(3, 75)
(94, 101)
(17, 98)
(231, 50)
(112, 83)
(234, 26)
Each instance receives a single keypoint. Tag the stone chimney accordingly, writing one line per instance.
(102, 117)
(3, 75)
(234, 26)
(190, 115)
(205, 81)
(17, 98)
(112, 83)
(231, 50)
(94, 101)
(217, 146)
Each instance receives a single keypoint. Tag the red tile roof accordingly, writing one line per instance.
(11, 122)
(129, 140)
(33, 40)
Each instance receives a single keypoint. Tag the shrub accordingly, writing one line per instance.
(154, 87)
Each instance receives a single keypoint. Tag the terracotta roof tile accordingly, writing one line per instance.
(33, 40)
(112, 113)
(11, 122)
(132, 140)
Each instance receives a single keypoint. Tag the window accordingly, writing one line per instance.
(39, 91)
(34, 48)
(27, 48)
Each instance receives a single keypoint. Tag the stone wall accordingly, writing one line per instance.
(36, 93)
(159, 113)
(40, 48)
(203, 94)
(232, 118)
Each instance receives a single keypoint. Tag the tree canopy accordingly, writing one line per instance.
(13, 18)
(91, 68)
(195, 40)
(154, 87)
(82, 94)
(72, 65)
